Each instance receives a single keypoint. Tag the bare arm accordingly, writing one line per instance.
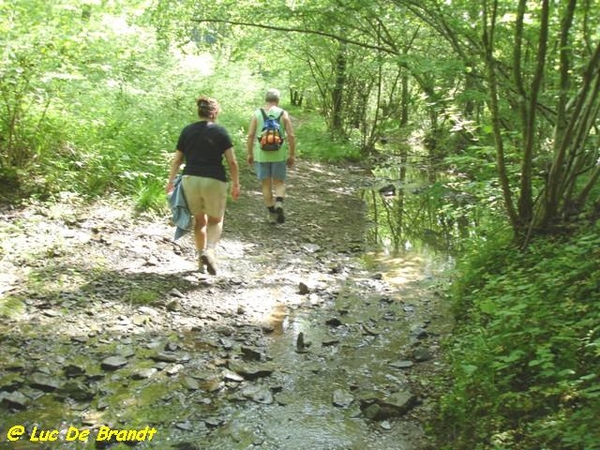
(233, 172)
(175, 166)
(291, 138)
(250, 140)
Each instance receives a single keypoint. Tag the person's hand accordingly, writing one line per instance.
(291, 161)
(235, 191)
(250, 159)
(169, 187)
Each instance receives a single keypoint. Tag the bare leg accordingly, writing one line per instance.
(279, 186)
(200, 231)
(213, 231)
(267, 192)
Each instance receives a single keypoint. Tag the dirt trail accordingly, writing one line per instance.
(299, 341)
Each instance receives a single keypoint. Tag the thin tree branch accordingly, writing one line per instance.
(337, 37)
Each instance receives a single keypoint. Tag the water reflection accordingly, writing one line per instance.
(409, 209)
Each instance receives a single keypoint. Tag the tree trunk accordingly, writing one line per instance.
(337, 99)
(489, 25)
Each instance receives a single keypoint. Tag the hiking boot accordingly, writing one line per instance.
(209, 260)
(279, 212)
(272, 218)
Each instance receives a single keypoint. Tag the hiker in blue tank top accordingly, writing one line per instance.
(269, 132)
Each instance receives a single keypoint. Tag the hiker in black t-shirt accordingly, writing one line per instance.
(202, 145)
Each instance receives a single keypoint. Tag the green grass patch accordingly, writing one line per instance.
(141, 296)
(11, 306)
(151, 197)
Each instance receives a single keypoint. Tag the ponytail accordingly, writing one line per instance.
(208, 108)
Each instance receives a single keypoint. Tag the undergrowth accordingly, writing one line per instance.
(132, 159)
(525, 355)
(315, 143)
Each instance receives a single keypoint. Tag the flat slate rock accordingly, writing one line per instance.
(251, 371)
(402, 364)
(113, 363)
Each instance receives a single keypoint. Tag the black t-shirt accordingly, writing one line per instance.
(203, 144)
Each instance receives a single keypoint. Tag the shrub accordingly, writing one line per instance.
(526, 355)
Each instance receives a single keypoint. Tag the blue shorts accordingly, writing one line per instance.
(275, 170)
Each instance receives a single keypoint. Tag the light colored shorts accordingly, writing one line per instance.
(275, 170)
(205, 195)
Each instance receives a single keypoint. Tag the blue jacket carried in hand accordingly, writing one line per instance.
(180, 214)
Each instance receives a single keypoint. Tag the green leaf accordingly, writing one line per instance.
(469, 369)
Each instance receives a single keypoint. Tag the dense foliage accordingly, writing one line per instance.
(518, 77)
(526, 351)
(93, 98)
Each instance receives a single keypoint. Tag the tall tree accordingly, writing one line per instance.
(542, 62)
